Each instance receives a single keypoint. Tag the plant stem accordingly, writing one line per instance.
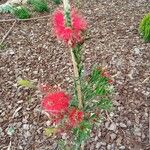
(66, 5)
(77, 78)
(67, 12)
(75, 68)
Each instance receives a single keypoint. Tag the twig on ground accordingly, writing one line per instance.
(107, 115)
(5, 36)
(9, 146)
(35, 18)
(16, 111)
(145, 80)
(115, 75)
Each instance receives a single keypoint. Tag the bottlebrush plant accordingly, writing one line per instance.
(91, 95)
(144, 28)
(77, 113)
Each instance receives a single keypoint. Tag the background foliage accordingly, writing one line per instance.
(144, 28)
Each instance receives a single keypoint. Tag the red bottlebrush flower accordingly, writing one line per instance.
(55, 102)
(69, 34)
(106, 74)
(78, 23)
(75, 116)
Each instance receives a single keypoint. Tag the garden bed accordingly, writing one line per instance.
(32, 52)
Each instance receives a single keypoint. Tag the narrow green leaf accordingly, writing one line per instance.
(21, 12)
(105, 104)
(57, 1)
(144, 28)
(39, 5)
(82, 132)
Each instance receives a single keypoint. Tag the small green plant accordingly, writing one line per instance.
(144, 28)
(21, 12)
(57, 1)
(26, 83)
(5, 8)
(39, 5)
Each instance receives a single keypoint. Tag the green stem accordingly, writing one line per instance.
(67, 12)
(77, 78)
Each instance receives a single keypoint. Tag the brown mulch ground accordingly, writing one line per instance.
(32, 52)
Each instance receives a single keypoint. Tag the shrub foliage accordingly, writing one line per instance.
(145, 27)
(39, 5)
(57, 1)
(21, 12)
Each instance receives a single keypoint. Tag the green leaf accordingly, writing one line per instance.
(97, 85)
(101, 91)
(57, 1)
(74, 102)
(105, 104)
(86, 124)
(26, 83)
(21, 12)
(92, 116)
(95, 88)
(95, 75)
(39, 5)
(82, 132)
(49, 131)
(144, 28)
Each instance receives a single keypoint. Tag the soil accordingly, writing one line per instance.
(32, 52)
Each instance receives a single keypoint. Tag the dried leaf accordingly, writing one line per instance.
(49, 131)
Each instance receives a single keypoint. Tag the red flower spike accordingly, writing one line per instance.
(106, 74)
(75, 116)
(78, 23)
(55, 102)
(110, 81)
(71, 34)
